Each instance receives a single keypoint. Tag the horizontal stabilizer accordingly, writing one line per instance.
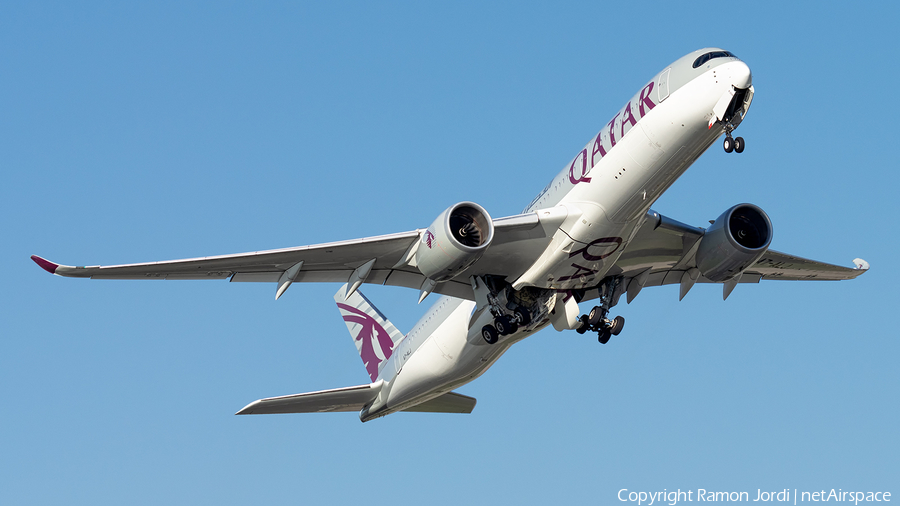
(451, 402)
(338, 399)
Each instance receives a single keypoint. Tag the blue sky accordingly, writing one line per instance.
(171, 130)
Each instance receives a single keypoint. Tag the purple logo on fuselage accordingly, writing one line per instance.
(371, 331)
(623, 121)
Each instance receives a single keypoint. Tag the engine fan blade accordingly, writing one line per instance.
(466, 231)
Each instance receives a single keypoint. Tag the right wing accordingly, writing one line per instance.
(518, 240)
(329, 262)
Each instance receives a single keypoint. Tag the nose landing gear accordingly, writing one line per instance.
(604, 327)
(597, 320)
(735, 144)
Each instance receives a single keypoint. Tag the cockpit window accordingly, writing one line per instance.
(709, 56)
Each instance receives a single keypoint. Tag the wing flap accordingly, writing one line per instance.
(323, 401)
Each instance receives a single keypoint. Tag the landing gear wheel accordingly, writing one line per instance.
(489, 333)
(523, 317)
(505, 325)
(617, 325)
(595, 316)
(728, 144)
(583, 324)
(738, 144)
(603, 336)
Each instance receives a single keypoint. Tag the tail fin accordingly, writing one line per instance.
(375, 337)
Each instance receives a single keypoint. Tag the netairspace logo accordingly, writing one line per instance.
(785, 496)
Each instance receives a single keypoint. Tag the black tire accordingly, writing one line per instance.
(523, 316)
(503, 325)
(489, 333)
(728, 144)
(583, 324)
(617, 325)
(595, 316)
(738, 144)
(603, 336)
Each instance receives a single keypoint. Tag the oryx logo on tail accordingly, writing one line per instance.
(375, 337)
(369, 331)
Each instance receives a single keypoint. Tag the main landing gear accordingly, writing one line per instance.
(505, 325)
(597, 320)
(511, 309)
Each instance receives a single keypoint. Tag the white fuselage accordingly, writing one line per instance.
(606, 190)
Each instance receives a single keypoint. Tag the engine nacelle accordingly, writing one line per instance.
(456, 240)
(735, 241)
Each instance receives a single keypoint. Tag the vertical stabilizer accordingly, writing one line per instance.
(375, 337)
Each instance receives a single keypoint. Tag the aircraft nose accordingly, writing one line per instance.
(741, 77)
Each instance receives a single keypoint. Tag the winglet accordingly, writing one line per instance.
(858, 262)
(45, 264)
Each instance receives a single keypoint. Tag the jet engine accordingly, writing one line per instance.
(735, 241)
(456, 240)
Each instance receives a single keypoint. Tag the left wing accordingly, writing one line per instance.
(777, 265)
(664, 250)
(382, 260)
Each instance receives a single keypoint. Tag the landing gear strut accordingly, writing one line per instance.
(597, 320)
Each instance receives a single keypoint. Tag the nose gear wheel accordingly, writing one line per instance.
(735, 144)
(596, 320)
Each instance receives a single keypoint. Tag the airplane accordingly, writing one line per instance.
(589, 235)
